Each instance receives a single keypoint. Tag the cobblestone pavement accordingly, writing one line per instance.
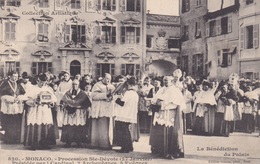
(239, 148)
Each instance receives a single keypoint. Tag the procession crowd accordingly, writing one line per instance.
(110, 112)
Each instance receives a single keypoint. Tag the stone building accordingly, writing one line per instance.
(80, 36)
(222, 40)
(210, 38)
(193, 37)
(162, 44)
(249, 19)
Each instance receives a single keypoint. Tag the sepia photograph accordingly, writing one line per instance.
(129, 81)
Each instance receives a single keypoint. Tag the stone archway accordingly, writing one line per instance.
(161, 67)
(75, 68)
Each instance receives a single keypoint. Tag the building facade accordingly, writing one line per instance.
(162, 44)
(193, 47)
(79, 36)
(210, 38)
(222, 32)
(249, 19)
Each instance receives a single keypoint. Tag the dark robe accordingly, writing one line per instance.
(11, 123)
(168, 140)
(75, 115)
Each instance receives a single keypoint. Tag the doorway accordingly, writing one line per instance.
(75, 68)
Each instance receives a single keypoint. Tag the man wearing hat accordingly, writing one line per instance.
(26, 84)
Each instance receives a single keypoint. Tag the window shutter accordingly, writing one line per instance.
(2, 3)
(99, 5)
(242, 38)
(83, 34)
(183, 4)
(198, 29)
(138, 6)
(98, 34)
(198, 2)
(7, 30)
(17, 67)
(187, 32)
(137, 34)
(113, 8)
(113, 34)
(67, 33)
(229, 59)
(256, 35)
(207, 29)
(12, 31)
(230, 24)
(34, 68)
(40, 32)
(99, 70)
(49, 66)
(2, 67)
(112, 69)
(137, 70)
(187, 5)
(122, 34)
(219, 53)
(40, 28)
(123, 69)
(98, 30)
(218, 26)
(45, 29)
(78, 4)
(122, 5)
(183, 32)
(18, 3)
